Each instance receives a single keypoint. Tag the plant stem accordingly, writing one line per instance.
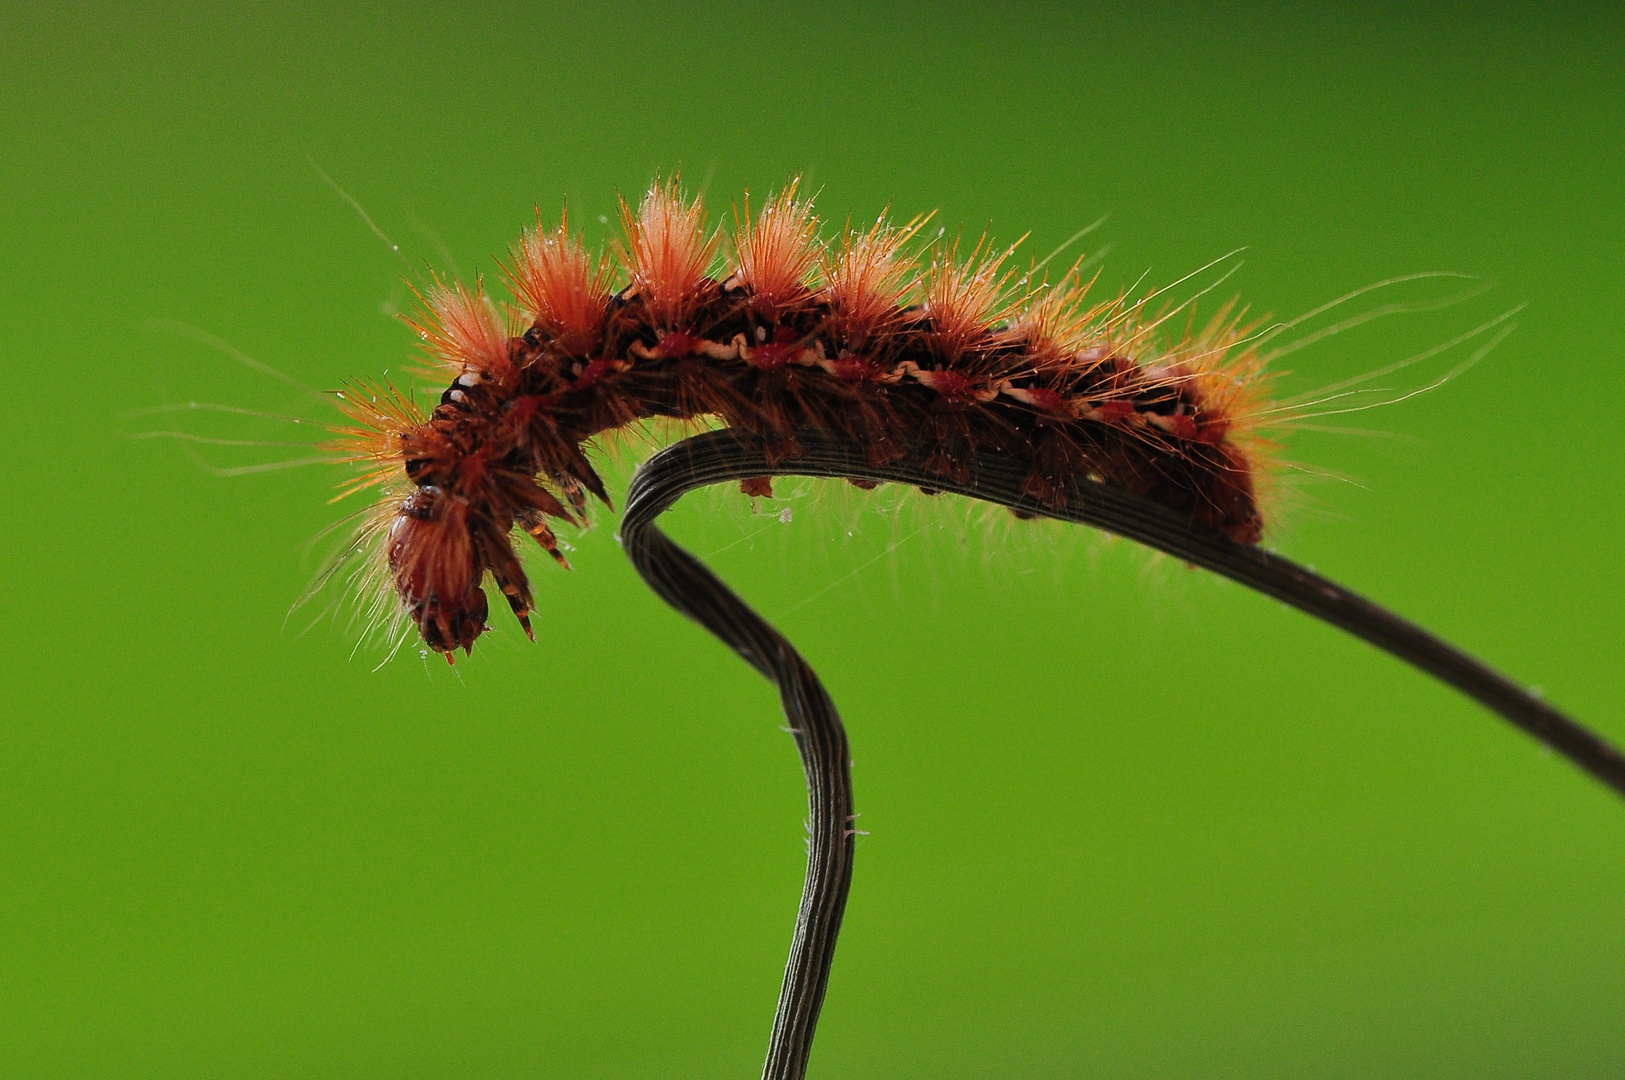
(683, 582)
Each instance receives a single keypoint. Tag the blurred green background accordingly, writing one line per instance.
(1124, 820)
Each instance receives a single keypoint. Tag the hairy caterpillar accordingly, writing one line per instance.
(952, 356)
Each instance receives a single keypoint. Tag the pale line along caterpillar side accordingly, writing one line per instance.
(847, 362)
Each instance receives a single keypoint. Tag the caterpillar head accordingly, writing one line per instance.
(437, 568)
(456, 483)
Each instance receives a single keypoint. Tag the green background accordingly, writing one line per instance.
(1125, 820)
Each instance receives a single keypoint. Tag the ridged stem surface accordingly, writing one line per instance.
(684, 582)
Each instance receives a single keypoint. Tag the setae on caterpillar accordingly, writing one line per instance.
(856, 360)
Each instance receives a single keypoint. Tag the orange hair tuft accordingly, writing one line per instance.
(868, 278)
(777, 251)
(463, 330)
(964, 300)
(385, 421)
(1059, 328)
(667, 252)
(1228, 373)
(562, 285)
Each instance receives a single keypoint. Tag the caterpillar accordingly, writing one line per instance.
(903, 352)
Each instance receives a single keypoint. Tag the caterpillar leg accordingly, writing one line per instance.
(542, 533)
(510, 578)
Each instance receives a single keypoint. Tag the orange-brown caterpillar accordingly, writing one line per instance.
(901, 353)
